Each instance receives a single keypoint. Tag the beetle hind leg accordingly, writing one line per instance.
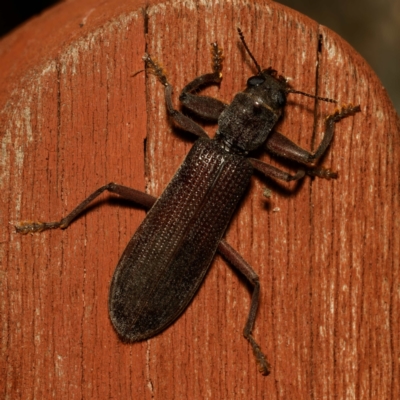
(234, 258)
(264, 366)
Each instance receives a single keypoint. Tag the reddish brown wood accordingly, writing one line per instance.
(72, 118)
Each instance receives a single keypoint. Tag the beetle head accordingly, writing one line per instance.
(246, 123)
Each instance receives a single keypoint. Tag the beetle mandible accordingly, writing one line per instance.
(168, 257)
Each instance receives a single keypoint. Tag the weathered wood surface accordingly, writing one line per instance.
(73, 118)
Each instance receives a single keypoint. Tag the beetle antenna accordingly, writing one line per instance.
(248, 50)
(311, 95)
(137, 73)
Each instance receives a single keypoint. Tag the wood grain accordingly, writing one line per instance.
(72, 118)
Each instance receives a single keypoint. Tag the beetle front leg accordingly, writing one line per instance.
(204, 106)
(231, 255)
(280, 145)
(180, 120)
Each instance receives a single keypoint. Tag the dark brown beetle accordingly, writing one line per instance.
(168, 257)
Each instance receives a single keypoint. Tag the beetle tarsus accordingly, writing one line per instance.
(264, 365)
(345, 111)
(322, 172)
(35, 226)
(156, 69)
(217, 58)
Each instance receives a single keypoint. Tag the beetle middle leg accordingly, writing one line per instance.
(124, 192)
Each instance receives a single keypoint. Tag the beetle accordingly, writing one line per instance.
(168, 257)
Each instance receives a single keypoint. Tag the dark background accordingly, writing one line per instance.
(371, 27)
(14, 12)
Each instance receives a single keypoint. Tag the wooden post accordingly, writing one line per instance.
(74, 116)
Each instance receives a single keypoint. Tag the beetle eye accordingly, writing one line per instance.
(255, 80)
(280, 98)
